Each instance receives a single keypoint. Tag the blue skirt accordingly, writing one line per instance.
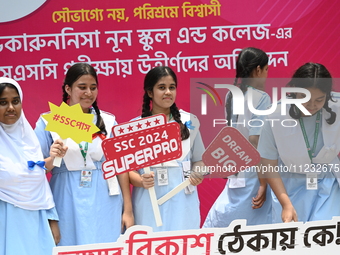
(235, 203)
(310, 205)
(24, 232)
(86, 215)
(181, 212)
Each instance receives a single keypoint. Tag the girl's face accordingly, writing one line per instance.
(83, 91)
(163, 94)
(316, 102)
(10, 106)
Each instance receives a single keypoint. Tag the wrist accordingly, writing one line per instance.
(52, 157)
(285, 202)
(127, 211)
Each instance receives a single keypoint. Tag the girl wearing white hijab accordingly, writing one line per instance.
(26, 202)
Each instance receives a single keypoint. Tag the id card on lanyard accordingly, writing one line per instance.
(86, 174)
(311, 178)
(162, 176)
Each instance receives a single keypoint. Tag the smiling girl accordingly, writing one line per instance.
(182, 210)
(91, 209)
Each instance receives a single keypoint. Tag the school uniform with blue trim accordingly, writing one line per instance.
(288, 146)
(89, 214)
(235, 200)
(182, 210)
(26, 202)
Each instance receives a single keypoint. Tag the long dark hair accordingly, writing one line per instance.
(72, 75)
(312, 75)
(248, 60)
(150, 80)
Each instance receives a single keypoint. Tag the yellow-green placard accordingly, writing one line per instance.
(70, 122)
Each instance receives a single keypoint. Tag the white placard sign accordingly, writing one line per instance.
(294, 238)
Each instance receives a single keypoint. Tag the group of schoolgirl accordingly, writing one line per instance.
(309, 190)
(78, 206)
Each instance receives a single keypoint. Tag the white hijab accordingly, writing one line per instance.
(20, 186)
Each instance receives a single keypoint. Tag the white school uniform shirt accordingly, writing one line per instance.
(186, 144)
(73, 158)
(296, 153)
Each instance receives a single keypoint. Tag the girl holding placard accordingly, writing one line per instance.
(182, 210)
(27, 212)
(244, 192)
(305, 153)
(91, 209)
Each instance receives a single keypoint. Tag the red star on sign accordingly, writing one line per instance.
(157, 121)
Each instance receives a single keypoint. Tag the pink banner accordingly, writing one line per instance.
(123, 40)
